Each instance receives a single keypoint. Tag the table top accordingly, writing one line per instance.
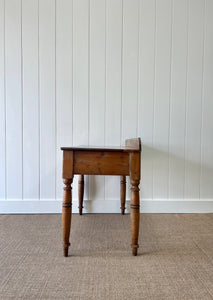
(102, 148)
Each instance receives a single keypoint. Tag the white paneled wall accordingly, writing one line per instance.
(78, 72)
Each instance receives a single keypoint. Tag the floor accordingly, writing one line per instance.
(175, 258)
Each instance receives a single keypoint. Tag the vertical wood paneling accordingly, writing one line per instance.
(206, 180)
(113, 86)
(30, 99)
(130, 72)
(162, 99)
(96, 72)
(64, 86)
(13, 86)
(80, 71)
(130, 68)
(178, 99)
(47, 99)
(2, 105)
(145, 91)
(97, 87)
(80, 79)
(194, 99)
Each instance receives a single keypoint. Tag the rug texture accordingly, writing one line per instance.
(175, 258)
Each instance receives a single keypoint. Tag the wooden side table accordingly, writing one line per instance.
(102, 161)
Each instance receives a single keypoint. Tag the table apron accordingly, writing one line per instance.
(101, 163)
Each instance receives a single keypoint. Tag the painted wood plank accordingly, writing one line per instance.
(130, 69)
(178, 99)
(64, 85)
(206, 180)
(113, 87)
(47, 99)
(146, 62)
(2, 105)
(130, 72)
(97, 87)
(80, 81)
(80, 71)
(13, 89)
(162, 99)
(30, 100)
(194, 100)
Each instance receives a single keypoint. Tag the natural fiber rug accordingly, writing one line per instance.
(175, 258)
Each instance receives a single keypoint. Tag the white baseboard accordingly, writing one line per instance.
(107, 206)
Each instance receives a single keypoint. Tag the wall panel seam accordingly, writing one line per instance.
(56, 119)
(39, 120)
(22, 106)
(105, 32)
(138, 77)
(89, 71)
(72, 73)
(154, 92)
(170, 96)
(122, 40)
(202, 96)
(186, 95)
(5, 111)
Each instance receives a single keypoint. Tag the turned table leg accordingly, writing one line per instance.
(135, 215)
(123, 193)
(80, 193)
(66, 214)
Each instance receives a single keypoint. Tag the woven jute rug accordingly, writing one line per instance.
(175, 258)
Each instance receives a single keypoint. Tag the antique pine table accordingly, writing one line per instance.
(102, 161)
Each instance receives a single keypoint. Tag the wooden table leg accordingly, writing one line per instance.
(66, 213)
(135, 215)
(123, 193)
(80, 193)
